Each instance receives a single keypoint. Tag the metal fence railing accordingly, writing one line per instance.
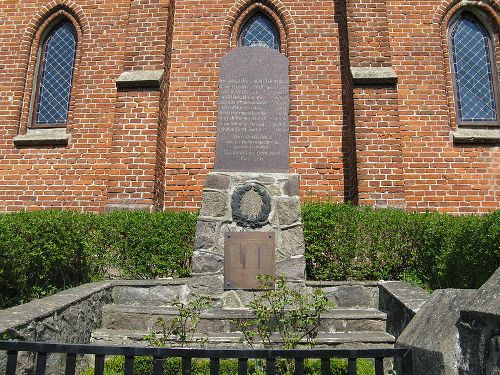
(43, 350)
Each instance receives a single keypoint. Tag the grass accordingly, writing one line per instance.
(173, 366)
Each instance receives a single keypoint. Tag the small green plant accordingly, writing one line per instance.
(283, 311)
(180, 331)
(284, 317)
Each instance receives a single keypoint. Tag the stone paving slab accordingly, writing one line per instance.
(231, 313)
(121, 337)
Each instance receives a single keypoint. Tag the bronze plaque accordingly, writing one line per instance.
(246, 255)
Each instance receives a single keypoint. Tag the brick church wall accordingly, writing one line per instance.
(136, 127)
(439, 175)
(201, 36)
(386, 144)
(73, 177)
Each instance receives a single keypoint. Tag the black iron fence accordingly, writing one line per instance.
(43, 350)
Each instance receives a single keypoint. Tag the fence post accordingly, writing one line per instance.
(351, 366)
(214, 366)
(270, 366)
(325, 366)
(379, 366)
(41, 362)
(158, 363)
(70, 364)
(99, 364)
(299, 366)
(186, 366)
(11, 363)
(408, 363)
(129, 365)
(242, 366)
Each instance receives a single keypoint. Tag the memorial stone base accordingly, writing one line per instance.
(251, 202)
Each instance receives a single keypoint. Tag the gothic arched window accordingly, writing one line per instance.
(56, 62)
(259, 30)
(473, 70)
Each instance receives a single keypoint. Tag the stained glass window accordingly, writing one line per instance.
(473, 70)
(56, 75)
(260, 31)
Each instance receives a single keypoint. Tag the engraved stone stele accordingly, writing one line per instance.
(250, 221)
(252, 119)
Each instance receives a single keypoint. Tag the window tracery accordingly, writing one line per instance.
(56, 62)
(473, 70)
(259, 31)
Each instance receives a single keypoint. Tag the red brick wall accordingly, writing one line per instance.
(57, 177)
(146, 34)
(386, 145)
(368, 33)
(438, 174)
(377, 132)
(349, 154)
(133, 151)
(200, 39)
(161, 147)
(137, 125)
(378, 141)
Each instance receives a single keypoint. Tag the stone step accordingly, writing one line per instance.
(340, 340)
(222, 320)
(164, 292)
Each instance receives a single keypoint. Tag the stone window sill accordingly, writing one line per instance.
(476, 136)
(43, 137)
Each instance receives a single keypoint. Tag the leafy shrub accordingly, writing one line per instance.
(41, 252)
(47, 251)
(457, 251)
(437, 250)
(344, 242)
(149, 245)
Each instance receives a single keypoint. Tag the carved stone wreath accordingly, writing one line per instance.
(251, 206)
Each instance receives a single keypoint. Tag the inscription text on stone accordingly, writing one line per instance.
(252, 128)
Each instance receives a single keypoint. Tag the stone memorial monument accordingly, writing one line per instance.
(250, 221)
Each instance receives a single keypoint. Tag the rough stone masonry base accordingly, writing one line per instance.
(217, 217)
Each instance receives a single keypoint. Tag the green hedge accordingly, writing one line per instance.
(173, 366)
(145, 245)
(437, 250)
(47, 251)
